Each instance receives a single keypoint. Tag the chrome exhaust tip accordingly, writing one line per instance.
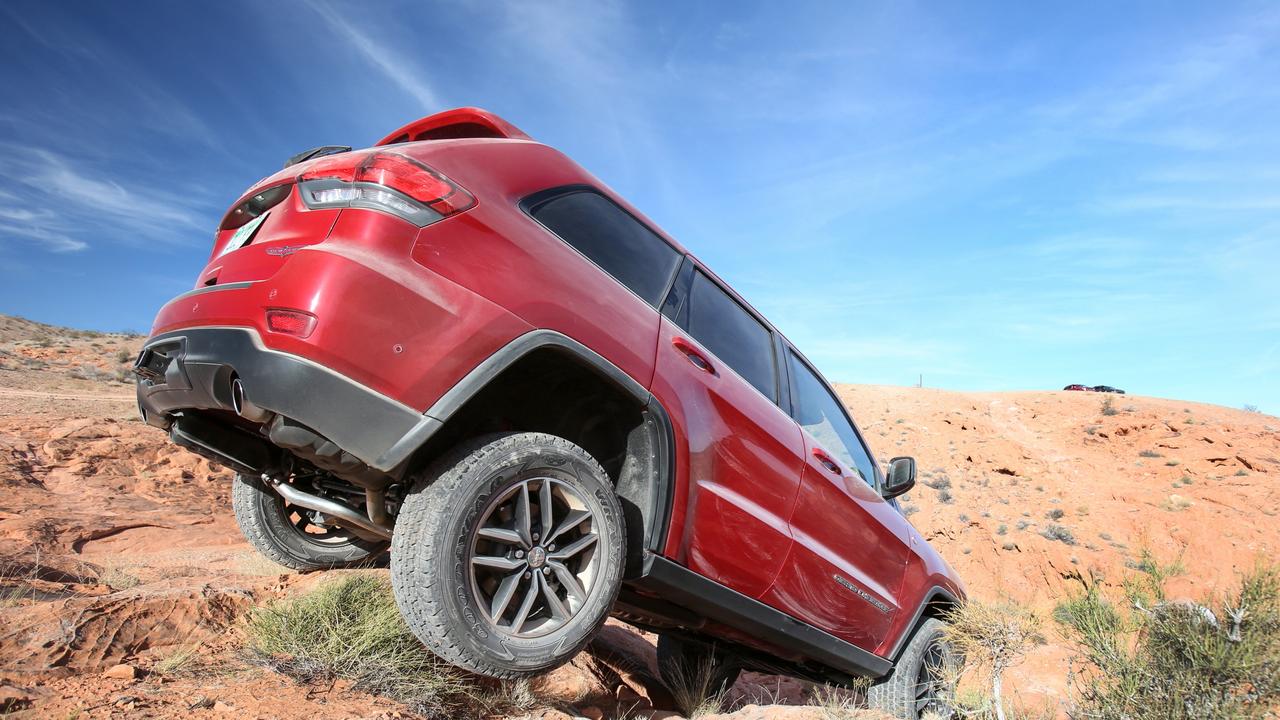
(244, 407)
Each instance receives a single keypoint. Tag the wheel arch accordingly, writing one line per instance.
(937, 602)
(549, 382)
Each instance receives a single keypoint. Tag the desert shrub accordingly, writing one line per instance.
(350, 628)
(1149, 454)
(1176, 503)
(939, 483)
(1002, 529)
(1055, 514)
(1054, 531)
(990, 638)
(1159, 571)
(1108, 406)
(945, 497)
(124, 356)
(1149, 658)
(87, 371)
(1250, 408)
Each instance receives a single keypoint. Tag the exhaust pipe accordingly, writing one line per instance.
(328, 507)
(244, 407)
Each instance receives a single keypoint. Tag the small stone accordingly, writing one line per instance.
(121, 672)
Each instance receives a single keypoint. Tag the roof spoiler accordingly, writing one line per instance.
(467, 122)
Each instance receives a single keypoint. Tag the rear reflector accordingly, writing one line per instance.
(291, 322)
(384, 181)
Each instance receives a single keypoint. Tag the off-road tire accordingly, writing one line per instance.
(680, 662)
(431, 543)
(897, 694)
(263, 519)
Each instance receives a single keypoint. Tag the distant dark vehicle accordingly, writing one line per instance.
(1077, 386)
(1107, 388)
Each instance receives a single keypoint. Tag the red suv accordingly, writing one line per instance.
(461, 346)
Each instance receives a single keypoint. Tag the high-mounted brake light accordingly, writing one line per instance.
(291, 322)
(384, 181)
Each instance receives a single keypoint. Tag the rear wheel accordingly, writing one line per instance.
(922, 681)
(508, 554)
(695, 671)
(296, 537)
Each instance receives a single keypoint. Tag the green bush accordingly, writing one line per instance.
(1150, 658)
(350, 628)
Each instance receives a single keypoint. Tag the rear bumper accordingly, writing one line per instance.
(192, 369)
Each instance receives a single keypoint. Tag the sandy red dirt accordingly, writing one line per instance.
(118, 548)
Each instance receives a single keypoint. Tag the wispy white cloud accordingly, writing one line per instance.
(397, 68)
(59, 203)
(49, 240)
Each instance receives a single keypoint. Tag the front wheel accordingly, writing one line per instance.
(296, 537)
(922, 683)
(507, 556)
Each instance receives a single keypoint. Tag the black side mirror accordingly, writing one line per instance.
(900, 478)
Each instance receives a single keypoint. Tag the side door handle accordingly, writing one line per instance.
(695, 358)
(827, 462)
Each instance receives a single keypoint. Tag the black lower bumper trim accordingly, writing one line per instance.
(199, 363)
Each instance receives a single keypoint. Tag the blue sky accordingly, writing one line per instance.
(997, 196)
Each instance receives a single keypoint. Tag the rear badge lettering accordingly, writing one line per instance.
(282, 250)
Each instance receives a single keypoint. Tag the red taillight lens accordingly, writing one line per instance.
(415, 180)
(394, 171)
(291, 322)
(339, 167)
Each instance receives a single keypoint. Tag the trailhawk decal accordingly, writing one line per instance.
(863, 594)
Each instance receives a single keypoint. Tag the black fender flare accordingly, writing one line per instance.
(932, 596)
(660, 488)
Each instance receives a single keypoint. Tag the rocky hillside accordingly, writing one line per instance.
(122, 574)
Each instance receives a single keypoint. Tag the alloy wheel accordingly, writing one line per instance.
(532, 558)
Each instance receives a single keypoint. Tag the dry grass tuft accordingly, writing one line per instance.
(351, 628)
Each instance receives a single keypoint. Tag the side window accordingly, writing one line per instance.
(725, 328)
(612, 239)
(819, 412)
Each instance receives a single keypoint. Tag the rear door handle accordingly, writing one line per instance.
(825, 460)
(695, 358)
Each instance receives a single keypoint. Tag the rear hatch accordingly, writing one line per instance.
(271, 221)
(263, 228)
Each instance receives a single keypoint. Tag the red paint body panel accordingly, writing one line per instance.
(742, 456)
(843, 529)
(409, 311)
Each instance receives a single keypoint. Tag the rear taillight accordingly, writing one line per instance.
(385, 181)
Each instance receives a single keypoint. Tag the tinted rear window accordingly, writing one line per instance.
(612, 239)
(725, 328)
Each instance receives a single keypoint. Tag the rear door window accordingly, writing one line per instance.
(818, 411)
(731, 332)
(612, 239)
